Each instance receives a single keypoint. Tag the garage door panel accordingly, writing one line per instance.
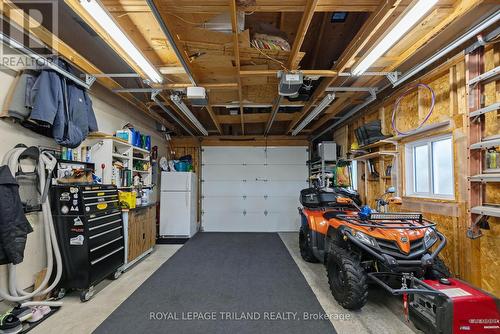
(250, 222)
(232, 204)
(233, 172)
(287, 155)
(254, 172)
(286, 172)
(233, 155)
(252, 188)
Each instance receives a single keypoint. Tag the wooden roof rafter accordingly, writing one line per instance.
(292, 65)
(219, 6)
(440, 18)
(236, 45)
(178, 45)
(461, 8)
(17, 16)
(370, 30)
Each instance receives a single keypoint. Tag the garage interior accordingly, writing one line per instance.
(250, 166)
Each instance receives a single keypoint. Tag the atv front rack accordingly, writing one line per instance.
(393, 220)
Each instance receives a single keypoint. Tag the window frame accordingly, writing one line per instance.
(410, 168)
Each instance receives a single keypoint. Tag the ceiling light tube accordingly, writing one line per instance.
(176, 99)
(95, 9)
(319, 108)
(411, 17)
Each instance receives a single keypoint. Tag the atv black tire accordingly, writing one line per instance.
(347, 278)
(305, 245)
(438, 270)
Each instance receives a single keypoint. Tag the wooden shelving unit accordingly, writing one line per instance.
(479, 175)
(377, 154)
(108, 149)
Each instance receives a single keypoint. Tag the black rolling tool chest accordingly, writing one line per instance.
(89, 228)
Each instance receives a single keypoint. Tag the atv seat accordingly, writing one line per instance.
(332, 214)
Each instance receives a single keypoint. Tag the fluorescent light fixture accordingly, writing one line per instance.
(176, 99)
(319, 108)
(409, 20)
(95, 9)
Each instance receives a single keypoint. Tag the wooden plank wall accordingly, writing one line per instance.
(477, 261)
(186, 146)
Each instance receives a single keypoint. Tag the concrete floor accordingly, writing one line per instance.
(382, 314)
(83, 318)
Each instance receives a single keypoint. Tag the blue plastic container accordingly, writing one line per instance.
(181, 166)
(147, 145)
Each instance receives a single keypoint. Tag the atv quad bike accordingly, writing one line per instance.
(361, 245)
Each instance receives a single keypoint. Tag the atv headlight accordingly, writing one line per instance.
(366, 239)
(430, 238)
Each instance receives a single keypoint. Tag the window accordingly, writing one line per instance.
(354, 175)
(429, 168)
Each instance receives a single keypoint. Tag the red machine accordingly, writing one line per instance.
(456, 308)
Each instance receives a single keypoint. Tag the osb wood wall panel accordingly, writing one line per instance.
(490, 242)
(477, 261)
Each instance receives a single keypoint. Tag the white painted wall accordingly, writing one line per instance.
(112, 113)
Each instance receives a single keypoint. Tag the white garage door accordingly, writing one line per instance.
(252, 189)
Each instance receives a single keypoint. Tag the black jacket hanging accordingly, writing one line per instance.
(14, 227)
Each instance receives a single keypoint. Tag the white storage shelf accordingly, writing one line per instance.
(113, 149)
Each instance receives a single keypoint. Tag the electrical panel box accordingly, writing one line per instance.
(327, 150)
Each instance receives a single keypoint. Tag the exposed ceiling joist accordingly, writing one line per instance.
(191, 6)
(17, 16)
(461, 8)
(301, 32)
(370, 29)
(236, 46)
(77, 7)
(272, 73)
(208, 86)
(294, 52)
(254, 118)
(213, 117)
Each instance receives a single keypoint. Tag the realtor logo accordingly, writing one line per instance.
(21, 21)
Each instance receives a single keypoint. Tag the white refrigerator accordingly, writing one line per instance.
(178, 205)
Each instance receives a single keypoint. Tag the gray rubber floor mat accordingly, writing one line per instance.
(223, 283)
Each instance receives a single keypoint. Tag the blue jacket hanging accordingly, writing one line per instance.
(64, 105)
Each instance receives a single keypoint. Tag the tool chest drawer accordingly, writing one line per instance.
(101, 252)
(99, 222)
(97, 239)
(99, 199)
